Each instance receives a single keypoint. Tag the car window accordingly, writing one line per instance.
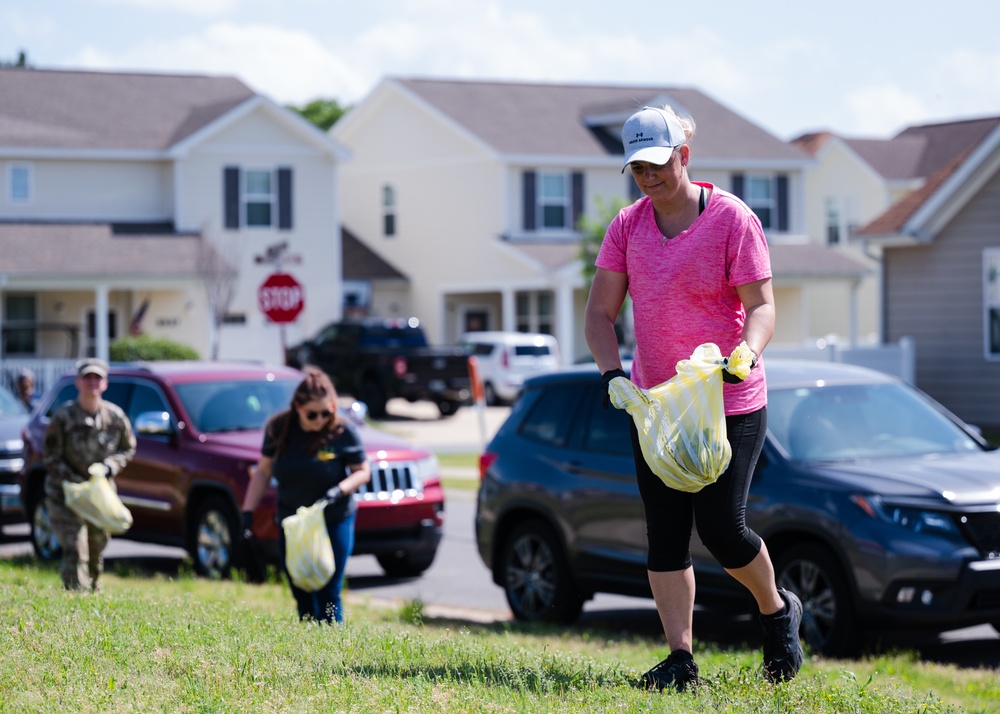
(531, 350)
(234, 405)
(481, 349)
(861, 421)
(145, 398)
(117, 393)
(606, 430)
(550, 416)
(10, 405)
(65, 394)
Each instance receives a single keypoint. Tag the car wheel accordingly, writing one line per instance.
(212, 545)
(828, 623)
(536, 577)
(491, 395)
(448, 407)
(43, 536)
(405, 565)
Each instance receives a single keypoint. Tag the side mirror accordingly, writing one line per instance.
(153, 424)
(358, 412)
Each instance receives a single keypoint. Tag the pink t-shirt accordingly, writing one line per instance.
(684, 289)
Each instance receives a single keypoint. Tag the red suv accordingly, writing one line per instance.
(199, 429)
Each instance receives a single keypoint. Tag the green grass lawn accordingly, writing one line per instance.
(152, 644)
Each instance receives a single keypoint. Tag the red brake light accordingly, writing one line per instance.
(504, 359)
(485, 461)
(399, 366)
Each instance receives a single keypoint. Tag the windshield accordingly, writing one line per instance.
(230, 405)
(10, 405)
(834, 423)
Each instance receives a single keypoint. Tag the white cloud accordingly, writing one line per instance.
(286, 65)
(200, 8)
(881, 110)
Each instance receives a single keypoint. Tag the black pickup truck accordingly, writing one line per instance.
(375, 360)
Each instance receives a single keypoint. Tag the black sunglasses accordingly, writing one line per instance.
(311, 415)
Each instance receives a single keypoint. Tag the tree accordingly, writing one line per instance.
(21, 61)
(219, 275)
(324, 113)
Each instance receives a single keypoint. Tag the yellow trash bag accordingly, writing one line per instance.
(96, 502)
(682, 422)
(308, 551)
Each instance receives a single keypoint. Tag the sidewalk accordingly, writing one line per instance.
(465, 432)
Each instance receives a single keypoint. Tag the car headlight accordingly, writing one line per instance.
(426, 468)
(13, 446)
(913, 519)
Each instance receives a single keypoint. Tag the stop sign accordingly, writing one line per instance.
(280, 298)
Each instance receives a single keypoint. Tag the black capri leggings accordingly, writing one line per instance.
(719, 510)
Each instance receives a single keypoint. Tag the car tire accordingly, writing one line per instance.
(213, 538)
(812, 572)
(490, 394)
(43, 536)
(405, 565)
(448, 407)
(536, 577)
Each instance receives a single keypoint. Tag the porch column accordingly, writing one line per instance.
(101, 343)
(508, 310)
(565, 324)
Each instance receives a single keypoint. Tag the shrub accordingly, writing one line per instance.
(146, 348)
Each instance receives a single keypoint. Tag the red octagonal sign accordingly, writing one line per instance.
(281, 298)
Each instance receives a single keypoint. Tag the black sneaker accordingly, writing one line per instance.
(782, 649)
(675, 672)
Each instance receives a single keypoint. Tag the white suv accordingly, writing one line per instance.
(506, 359)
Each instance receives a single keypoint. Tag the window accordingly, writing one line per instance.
(19, 330)
(258, 197)
(145, 398)
(91, 347)
(553, 200)
(760, 198)
(991, 293)
(535, 312)
(832, 221)
(388, 211)
(19, 183)
(549, 419)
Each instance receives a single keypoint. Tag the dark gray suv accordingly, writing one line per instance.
(879, 508)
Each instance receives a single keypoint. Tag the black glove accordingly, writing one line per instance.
(731, 378)
(606, 380)
(335, 494)
(246, 524)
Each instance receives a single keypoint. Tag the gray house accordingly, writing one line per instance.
(941, 267)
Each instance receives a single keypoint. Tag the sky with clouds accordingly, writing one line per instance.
(857, 67)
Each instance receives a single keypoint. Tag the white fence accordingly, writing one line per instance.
(898, 359)
(46, 371)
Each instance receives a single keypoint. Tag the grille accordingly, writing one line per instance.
(391, 481)
(984, 530)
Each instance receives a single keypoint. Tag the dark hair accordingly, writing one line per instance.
(316, 386)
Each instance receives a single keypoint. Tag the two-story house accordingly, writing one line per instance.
(127, 200)
(941, 266)
(474, 191)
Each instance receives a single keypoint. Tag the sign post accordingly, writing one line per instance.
(281, 299)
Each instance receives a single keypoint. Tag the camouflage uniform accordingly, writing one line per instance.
(74, 440)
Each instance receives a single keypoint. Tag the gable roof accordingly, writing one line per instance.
(585, 120)
(362, 263)
(956, 151)
(79, 110)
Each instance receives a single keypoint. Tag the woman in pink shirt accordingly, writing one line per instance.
(695, 262)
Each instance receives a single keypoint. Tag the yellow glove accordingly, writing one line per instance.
(737, 366)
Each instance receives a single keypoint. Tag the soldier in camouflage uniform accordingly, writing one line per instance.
(87, 431)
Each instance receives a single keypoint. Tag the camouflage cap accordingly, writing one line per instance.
(92, 365)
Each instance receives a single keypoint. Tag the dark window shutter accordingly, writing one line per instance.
(738, 185)
(577, 198)
(284, 199)
(528, 182)
(231, 196)
(782, 203)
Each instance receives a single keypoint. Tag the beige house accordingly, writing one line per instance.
(474, 192)
(127, 201)
(941, 268)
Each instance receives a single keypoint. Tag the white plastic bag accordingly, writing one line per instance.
(96, 502)
(681, 422)
(308, 551)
